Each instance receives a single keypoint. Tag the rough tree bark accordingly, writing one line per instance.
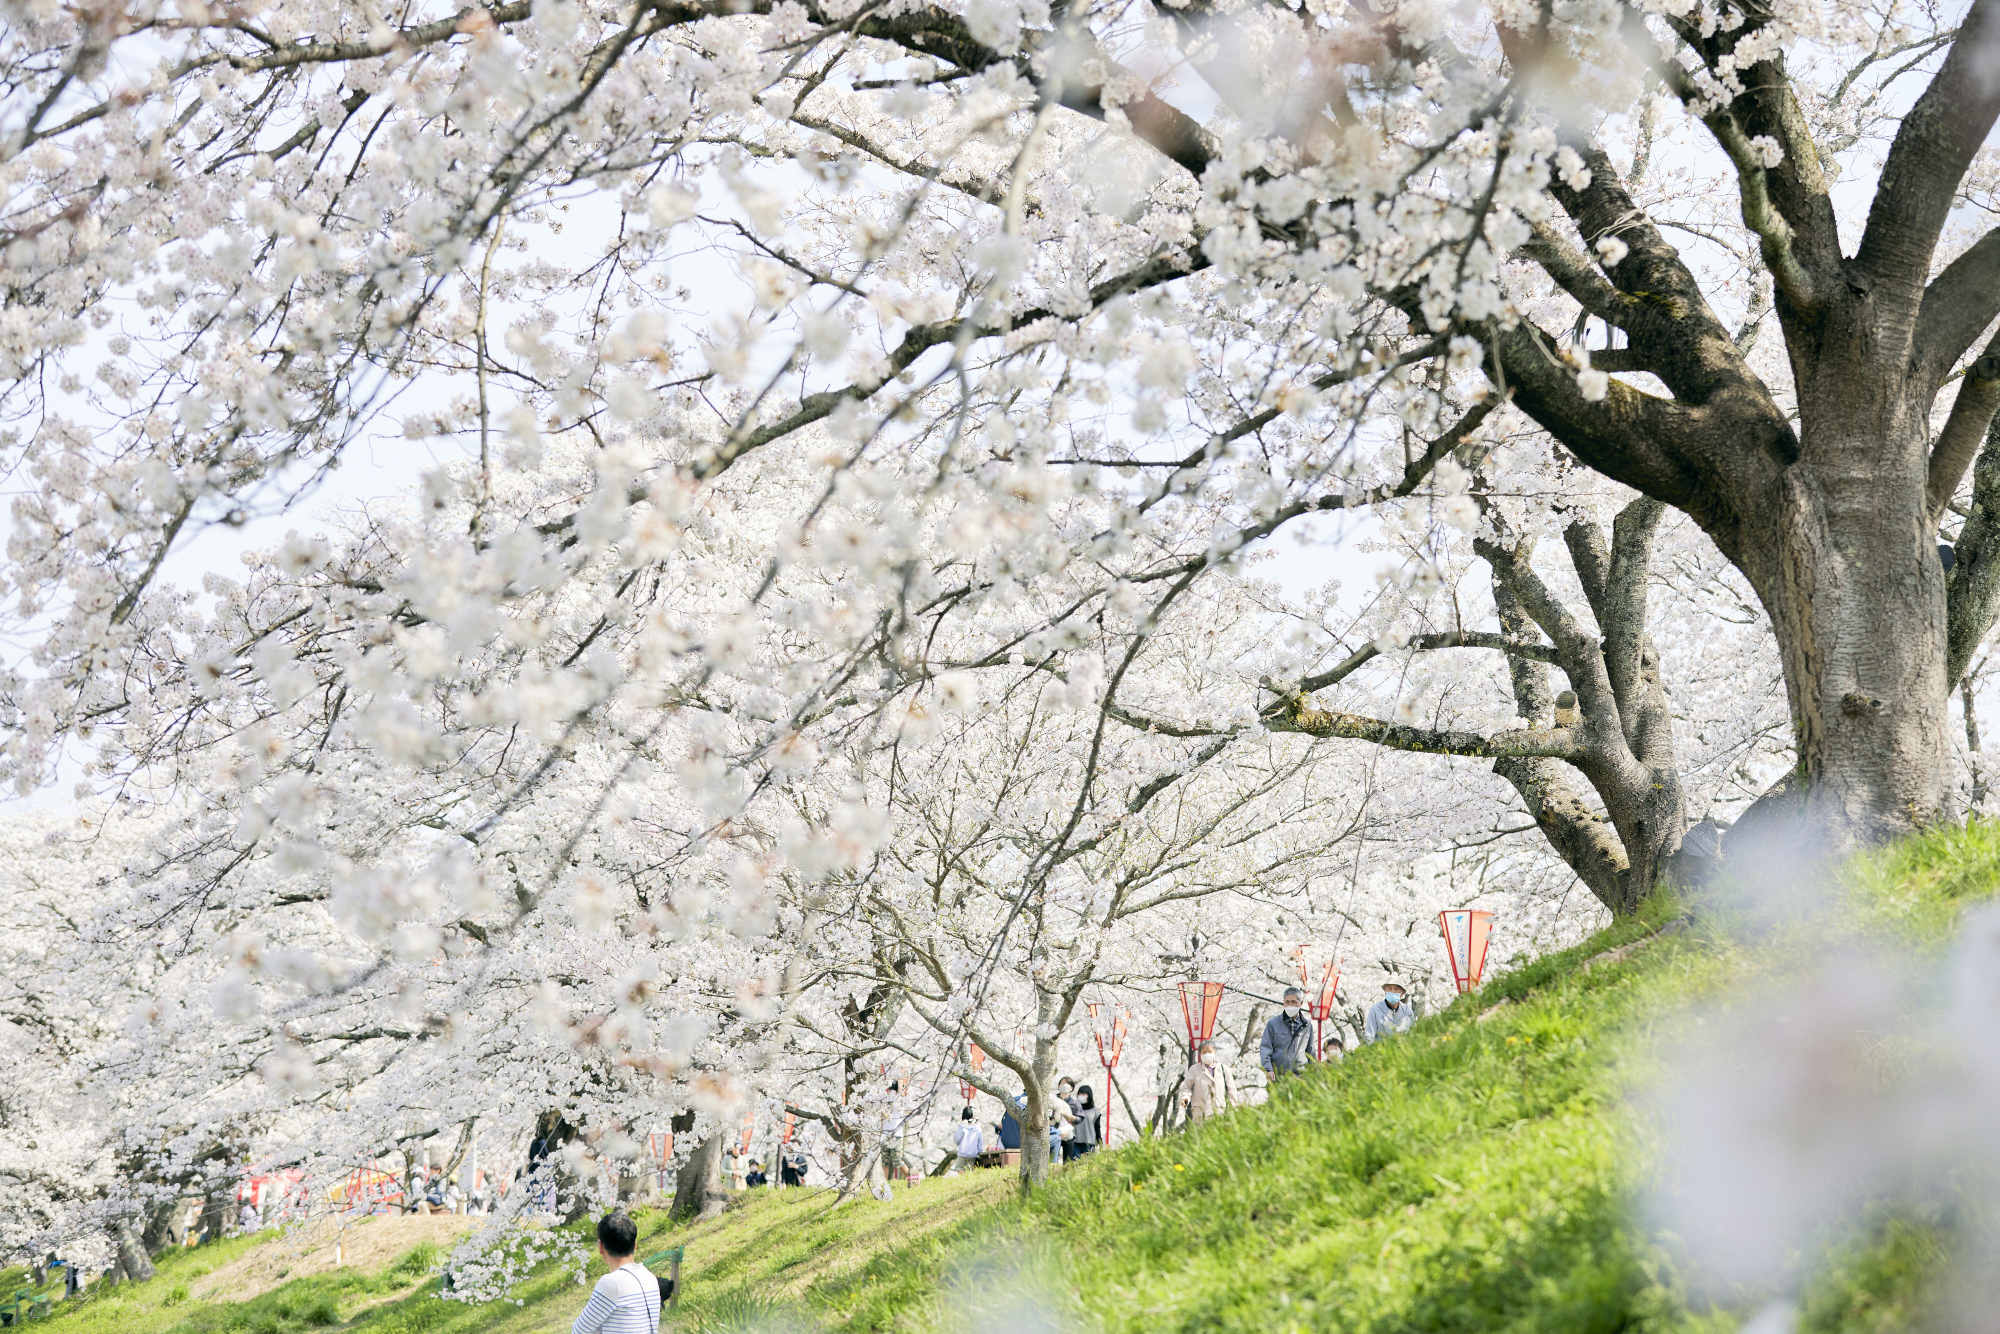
(132, 1261)
(158, 1233)
(698, 1188)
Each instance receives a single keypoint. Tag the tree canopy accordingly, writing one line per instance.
(807, 619)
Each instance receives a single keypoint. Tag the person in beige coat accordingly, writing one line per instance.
(1209, 1090)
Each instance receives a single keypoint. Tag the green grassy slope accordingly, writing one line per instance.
(1477, 1174)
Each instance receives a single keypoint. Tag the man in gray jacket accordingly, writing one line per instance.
(1287, 1044)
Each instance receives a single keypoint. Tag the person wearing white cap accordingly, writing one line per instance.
(1391, 1014)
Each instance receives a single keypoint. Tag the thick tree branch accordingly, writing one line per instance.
(1533, 700)
(1932, 149)
(1576, 274)
(1592, 559)
(1958, 305)
(1292, 712)
(1587, 844)
(1577, 650)
(1670, 323)
(1972, 589)
(1971, 416)
(1629, 658)
(1623, 436)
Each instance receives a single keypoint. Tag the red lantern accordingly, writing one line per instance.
(1466, 931)
(749, 1129)
(1201, 1002)
(1322, 1003)
(976, 1058)
(1109, 1060)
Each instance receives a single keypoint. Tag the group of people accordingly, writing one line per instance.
(1076, 1127)
(746, 1173)
(1286, 1048)
(444, 1197)
(1076, 1121)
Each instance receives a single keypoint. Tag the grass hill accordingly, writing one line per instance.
(1477, 1174)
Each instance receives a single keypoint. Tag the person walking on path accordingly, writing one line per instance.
(1209, 1091)
(1391, 1014)
(627, 1299)
(968, 1145)
(1287, 1044)
(1087, 1114)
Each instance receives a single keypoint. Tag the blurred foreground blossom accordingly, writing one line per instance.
(1868, 1079)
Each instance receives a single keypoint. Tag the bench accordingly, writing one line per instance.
(673, 1284)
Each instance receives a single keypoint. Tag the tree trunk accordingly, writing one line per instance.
(1856, 592)
(698, 1189)
(1034, 1119)
(1834, 520)
(215, 1214)
(132, 1261)
(158, 1233)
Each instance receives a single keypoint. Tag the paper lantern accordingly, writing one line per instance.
(1466, 931)
(1322, 1002)
(975, 1058)
(1201, 1002)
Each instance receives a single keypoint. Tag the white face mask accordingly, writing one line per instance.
(1209, 1058)
(1291, 1011)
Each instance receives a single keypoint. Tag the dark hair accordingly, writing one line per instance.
(967, 1116)
(1085, 1096)
(617, 1234)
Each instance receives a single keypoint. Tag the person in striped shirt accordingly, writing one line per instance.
(626, 1300)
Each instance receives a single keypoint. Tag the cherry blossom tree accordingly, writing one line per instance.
(1613, 728)
(804, 395)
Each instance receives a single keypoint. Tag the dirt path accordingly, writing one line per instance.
(369, 1244)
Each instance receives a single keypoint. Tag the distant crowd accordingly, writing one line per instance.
(1076, 1126)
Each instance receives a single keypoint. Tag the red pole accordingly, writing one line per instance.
(1109, 1060)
